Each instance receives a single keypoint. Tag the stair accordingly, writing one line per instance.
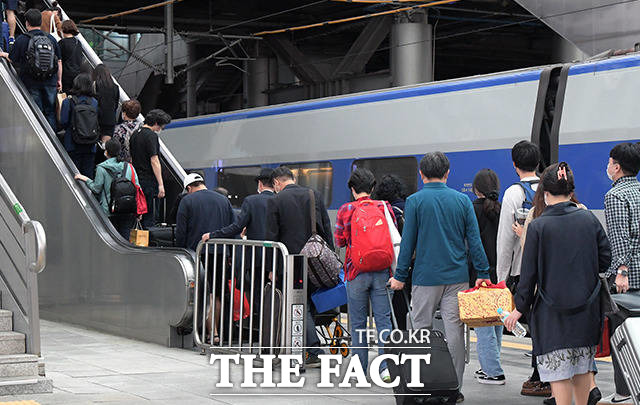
(20, 373)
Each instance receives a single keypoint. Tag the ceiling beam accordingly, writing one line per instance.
(301, 65)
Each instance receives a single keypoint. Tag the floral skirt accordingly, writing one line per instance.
(565, 363)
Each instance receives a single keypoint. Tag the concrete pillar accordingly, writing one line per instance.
(258, 82)
(168, 41)
(411, 50)
(191, 81)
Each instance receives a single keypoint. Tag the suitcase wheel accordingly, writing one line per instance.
(344, 349)
(333, 347)
(338, 332)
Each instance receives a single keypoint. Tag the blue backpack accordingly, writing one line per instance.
(529, 192)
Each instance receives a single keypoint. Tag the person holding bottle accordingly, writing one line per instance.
(565, 323)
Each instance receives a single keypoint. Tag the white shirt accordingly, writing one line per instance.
(508, 244)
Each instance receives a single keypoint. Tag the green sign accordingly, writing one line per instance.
(17, 208)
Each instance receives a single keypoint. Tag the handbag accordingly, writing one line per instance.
(52, 27)
(59, 99)
(141, 200)
(236, 304)
(324, 263)
(396, 239)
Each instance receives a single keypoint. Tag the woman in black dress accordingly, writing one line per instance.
(108, 95)
(72, 56)
(565, 249)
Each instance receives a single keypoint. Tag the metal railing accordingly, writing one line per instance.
(254, 316)
(23, 256)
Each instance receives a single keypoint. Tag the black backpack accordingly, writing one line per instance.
(84, 122)
(123, 193)
(42, 62)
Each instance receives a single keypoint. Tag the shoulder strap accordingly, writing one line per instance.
(124, 170)
(570, 310)
(312, 202)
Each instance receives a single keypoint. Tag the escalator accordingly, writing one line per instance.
(94, 278)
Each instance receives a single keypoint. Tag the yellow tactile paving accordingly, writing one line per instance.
(20, 403)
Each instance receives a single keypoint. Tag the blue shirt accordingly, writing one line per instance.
(439, 225)
(65, 122)
(18, 56)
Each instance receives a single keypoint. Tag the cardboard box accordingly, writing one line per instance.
(479, 307)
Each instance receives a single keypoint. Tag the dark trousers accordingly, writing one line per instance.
(84, 162)
(150, 190)
(45, 99)
(123, 224)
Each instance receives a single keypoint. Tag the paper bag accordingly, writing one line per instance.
(59, 99)
(479, 306)
(139, 236)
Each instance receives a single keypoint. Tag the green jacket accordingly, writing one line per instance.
(105, 173)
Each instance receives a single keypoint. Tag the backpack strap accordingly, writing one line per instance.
(312, 202)
(124, 170)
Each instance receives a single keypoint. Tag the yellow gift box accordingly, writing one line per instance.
(479, 306)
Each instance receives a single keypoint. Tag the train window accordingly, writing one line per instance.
(239, 182)
(318, 176)
(404, 167)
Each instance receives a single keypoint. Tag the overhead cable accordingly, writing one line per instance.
(356, 18)
(132, 11)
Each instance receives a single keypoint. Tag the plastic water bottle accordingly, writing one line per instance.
(519, 330)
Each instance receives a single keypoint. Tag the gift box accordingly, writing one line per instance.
(326, 299)
(479, 306)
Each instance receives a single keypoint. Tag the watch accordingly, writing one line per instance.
(623, 273)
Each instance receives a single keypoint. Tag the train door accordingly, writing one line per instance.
(548, 113)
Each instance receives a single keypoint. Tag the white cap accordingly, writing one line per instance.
(191, 178)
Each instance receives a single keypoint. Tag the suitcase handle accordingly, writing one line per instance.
(394, 320)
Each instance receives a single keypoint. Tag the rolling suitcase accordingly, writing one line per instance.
(626, 345)
(265, 341)
(162, 236)
(439, 377)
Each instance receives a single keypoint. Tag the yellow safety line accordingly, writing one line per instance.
(360, 17)
(20, 403)
(524, 346)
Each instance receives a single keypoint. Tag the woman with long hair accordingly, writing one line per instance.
(108, 96)
(551, 262)
(486, 186)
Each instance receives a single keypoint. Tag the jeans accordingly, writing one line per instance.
(84, 161)
(150, 190)
(45, 99)
(365, 287)
(313, 342)
(489, 343)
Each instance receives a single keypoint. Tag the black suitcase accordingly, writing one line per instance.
(439, 377)
(265, 342)
(162, 236)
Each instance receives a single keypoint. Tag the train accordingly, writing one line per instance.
(575, 112)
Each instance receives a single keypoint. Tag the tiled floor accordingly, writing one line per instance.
(89, 367)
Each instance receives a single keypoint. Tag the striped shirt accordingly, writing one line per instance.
(622, 212)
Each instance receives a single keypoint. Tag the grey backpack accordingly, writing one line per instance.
(324, 263)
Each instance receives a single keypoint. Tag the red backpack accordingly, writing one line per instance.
(371, 247)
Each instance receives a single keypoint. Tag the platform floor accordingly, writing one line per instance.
(89, 367)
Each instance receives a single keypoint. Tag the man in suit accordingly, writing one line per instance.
(253, 214)
(289, 222)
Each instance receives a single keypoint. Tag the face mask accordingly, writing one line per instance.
(608, 174)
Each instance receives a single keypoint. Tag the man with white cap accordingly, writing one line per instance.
(200, 211)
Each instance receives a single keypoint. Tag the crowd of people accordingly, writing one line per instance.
(449, 243)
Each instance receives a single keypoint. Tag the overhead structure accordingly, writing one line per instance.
(411, 50)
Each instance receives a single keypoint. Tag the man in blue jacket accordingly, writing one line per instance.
(439, 225)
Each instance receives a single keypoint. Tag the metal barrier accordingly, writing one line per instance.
(275, 316)
(24, 242)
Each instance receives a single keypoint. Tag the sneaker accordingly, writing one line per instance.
(12, 41)
(460, 398)
(549, 401)
(479, 373)
(497, 380)
(386, 377)
(313, 361)
(594, 396)
(536, 389)
(528, 354)
(615, 399)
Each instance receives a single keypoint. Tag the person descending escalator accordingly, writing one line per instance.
(79, 118)
(36, 56)
(119, 205)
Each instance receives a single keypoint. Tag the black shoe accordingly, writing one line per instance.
(594, 396)
(479, 373)
(460, 398)
(312, 361)
(549, 401)
(498, 380)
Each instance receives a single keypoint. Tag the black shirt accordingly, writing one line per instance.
(18, 56)
(143, 145)
(201, 212)
(488, 225)
(71, 51)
